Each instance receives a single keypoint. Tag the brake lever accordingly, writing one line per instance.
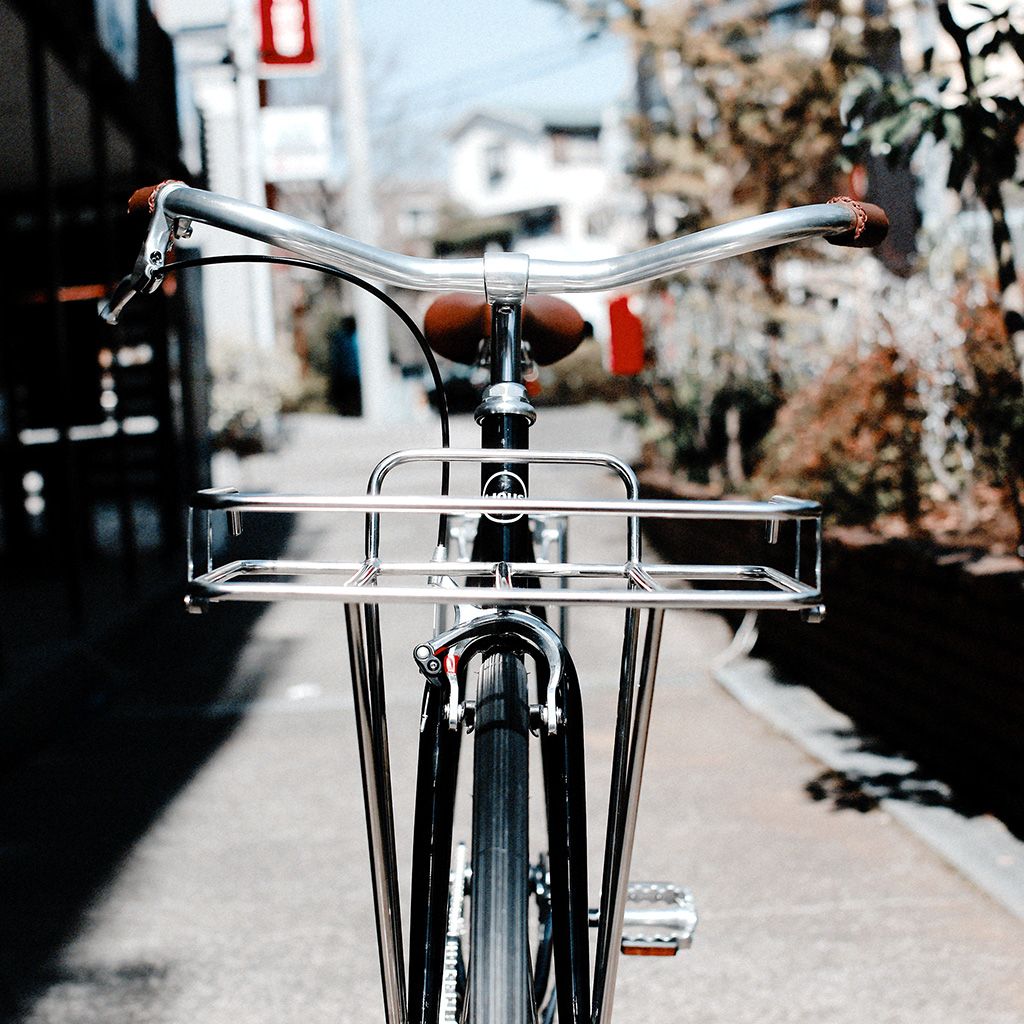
(163, 230)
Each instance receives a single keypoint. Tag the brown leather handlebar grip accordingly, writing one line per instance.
(143, 200)
(870, 227)
(455, 323)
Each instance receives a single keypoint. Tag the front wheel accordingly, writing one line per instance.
(499, 972)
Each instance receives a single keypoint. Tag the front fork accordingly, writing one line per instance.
(436, 775)
(558, 719)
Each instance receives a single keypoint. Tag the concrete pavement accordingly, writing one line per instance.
(197, 855)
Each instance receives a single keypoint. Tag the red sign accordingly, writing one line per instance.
(627, 340)
(287, 33)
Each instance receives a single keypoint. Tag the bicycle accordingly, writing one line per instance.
(500, 561)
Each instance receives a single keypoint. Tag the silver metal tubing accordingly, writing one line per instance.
(343, 253)
(650, 507)
(588, 458)
(317, 243)
(782, 581)
(617, 791)
(614, 908)
(818, 529)
(506, 279)
(383, 859)
(792, 599)
(618, 466)
(209, 540)
(563, 555)
(718, 243)
(366, 574)
(381, 760)
(225, 572)
(639, 576)
(190, 525)
(362, 573)
(372, 581)
(507, 341)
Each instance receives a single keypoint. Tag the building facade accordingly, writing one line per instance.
(550, 185)
(101, 432)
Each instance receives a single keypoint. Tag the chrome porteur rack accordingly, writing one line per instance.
(378, 581)
(444, 581)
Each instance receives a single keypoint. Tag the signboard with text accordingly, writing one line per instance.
(296, 143)
(286, 35)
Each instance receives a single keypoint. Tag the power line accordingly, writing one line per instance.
(539, 67)
(475, 72)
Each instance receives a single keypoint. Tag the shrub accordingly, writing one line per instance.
(850, 440)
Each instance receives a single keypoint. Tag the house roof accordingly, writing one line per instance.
(531, 122)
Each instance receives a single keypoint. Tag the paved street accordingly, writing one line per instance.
(196, 855)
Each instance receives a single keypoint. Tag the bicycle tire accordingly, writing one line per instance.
(499, 973)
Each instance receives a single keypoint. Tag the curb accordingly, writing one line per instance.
(980, 848)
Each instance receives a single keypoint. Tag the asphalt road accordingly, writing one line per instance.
(197, 855)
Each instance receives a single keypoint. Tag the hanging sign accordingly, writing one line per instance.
(286, 34)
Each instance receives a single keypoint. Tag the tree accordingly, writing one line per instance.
(731, 120)
(976, 110)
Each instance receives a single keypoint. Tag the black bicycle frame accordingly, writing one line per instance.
(496, 540)
(504, 425)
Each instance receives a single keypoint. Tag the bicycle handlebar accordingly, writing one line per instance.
(174, 206)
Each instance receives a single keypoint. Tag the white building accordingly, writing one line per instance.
(215, 46)
(550, 185)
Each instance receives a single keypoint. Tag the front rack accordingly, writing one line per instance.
(452, 578)
(632, 582)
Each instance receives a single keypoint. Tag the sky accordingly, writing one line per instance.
(428, 63)
(459, 53)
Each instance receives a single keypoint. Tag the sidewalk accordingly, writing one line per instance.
(198, 854)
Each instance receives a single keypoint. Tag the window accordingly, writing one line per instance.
(495, 164)
(418, 222)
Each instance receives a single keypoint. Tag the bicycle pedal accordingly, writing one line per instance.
(660, 919)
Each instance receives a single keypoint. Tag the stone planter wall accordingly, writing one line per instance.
(922, 647)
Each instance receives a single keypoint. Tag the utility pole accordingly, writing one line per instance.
(242, 37)
(380, 391)
(646, 164)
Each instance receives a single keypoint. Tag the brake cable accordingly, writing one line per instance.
(428, 355)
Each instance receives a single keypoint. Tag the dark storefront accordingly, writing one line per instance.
(101, 433)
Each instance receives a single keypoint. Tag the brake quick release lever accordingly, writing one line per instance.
(163, 230)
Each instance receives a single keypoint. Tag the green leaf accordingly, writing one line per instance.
(953, 130)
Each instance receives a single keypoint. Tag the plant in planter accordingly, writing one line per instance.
(851, 440)
(709, 431)
(990, 402)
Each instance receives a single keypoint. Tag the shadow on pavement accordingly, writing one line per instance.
(863, 791)
(70, 813)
